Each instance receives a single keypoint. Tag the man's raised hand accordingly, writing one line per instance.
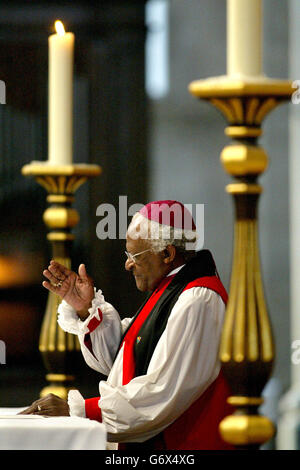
(76, 289)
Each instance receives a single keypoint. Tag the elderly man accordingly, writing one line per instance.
(164, 387)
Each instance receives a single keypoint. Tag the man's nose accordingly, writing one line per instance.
(129, 264)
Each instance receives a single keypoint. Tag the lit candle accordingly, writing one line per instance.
(244, 37)
(60, 111)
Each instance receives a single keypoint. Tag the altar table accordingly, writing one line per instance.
(32, 432)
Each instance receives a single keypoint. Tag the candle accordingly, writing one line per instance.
(60, 111)
(244, 37)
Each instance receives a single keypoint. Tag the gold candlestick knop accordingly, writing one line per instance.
(58, 348)
(247, 346)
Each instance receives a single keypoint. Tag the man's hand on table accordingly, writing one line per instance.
(76, 289)
(50, 405)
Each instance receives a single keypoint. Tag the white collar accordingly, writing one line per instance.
(176, 270)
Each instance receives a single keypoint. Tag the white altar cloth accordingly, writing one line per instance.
(32, 432)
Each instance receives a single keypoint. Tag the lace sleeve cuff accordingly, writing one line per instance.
(76, 404)
(69, 321)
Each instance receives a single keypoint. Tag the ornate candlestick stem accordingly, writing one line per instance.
(59, 349)
(247, 349)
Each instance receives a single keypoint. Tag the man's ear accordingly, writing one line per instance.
(169, 254)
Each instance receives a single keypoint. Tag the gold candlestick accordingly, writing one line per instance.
(58, 348)
(247, 347)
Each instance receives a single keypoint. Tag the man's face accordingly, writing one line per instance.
(149, 268)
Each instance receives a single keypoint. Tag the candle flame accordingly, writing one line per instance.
(59, 28)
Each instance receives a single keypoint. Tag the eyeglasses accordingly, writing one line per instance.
(132, 257)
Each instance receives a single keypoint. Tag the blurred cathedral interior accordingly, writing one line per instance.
(135, 118)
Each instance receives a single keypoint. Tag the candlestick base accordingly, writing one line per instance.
(59, 349)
